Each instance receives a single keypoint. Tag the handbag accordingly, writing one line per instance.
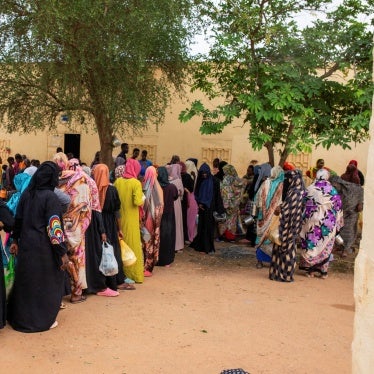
(108, 264)
(9, 274)
(127, 254)
(273, 234)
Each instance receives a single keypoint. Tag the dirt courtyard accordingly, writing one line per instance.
(202, 315)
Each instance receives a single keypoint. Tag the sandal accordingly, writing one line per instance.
(309, 275)
(108, 293)
(80, 300)
(63, 305)
(259, 265)
(125, 287)
(54, 325)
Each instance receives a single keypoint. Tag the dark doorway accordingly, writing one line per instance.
(72, 144)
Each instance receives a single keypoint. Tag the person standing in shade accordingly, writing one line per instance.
(153, 208)
(209, 200)
(167, 227)
(39, 267)
(283, 258)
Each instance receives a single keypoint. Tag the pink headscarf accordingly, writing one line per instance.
(174, 171)
(132, 169)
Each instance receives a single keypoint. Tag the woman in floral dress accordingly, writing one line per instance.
(323, 218)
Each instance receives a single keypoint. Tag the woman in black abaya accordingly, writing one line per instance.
(38, 242)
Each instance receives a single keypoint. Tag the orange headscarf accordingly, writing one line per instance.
(101, 176)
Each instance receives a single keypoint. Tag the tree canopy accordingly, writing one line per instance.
(104, 62)
(283, 77)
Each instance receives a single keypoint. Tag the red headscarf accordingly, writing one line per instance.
(351, 174)
(353, 162)
(132, 169)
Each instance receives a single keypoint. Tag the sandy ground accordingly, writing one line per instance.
(202, 315)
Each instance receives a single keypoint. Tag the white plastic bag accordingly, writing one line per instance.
(108, 265)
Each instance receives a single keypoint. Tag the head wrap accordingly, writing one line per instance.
(263, 173)
(101, 176)
(61, 160)
(351, 174)
(45, 178)
(174, 171)
(119, 171)
(163, 177)
(119, 161)
(74, 164)
(322, 174)
(353, 162)
(132, 169)
(204, 186)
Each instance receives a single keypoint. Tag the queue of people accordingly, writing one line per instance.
(72, 211)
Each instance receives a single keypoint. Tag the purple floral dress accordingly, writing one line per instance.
(323, 218)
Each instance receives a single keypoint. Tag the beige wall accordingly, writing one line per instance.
(363, 329)
(183, 139)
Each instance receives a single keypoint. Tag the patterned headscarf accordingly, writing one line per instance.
(322, 174)
(132, 169)
(119, 171)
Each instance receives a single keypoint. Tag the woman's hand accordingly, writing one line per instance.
(120, 234)
(64, 261)
(103, 237)
(14, 249)
(277, 211)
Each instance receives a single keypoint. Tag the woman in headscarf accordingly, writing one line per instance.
(283, 259)
(360, 175)
(351, 174)
(6, 224)
(231, 192)
(352, 195)
(174, 172)
(74, 182)
(36, 294)
(191, 170)
(131, 195)
(209, 200)
(110, 211)
(167, 226)
(267, 199)
(188, 186)
(220, 172)
(152, 215)
(323, 218)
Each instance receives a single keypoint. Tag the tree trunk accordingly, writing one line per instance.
(270, 148)
(105, 132)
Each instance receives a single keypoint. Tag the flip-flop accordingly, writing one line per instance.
(63, 305)
(54, 325)
(125, 287)
(82, 298)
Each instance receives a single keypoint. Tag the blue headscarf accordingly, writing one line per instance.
(204, 186)
(21, 181)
